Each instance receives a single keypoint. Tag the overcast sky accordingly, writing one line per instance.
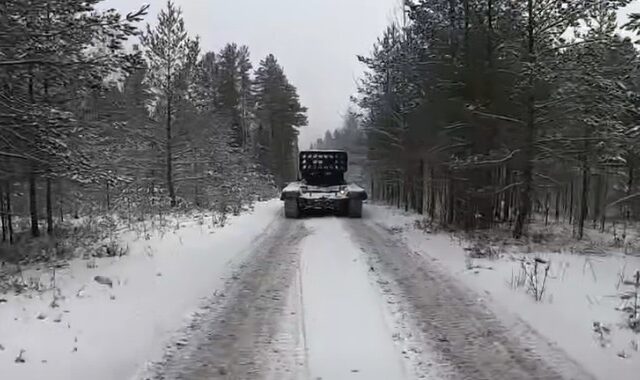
(315, 40)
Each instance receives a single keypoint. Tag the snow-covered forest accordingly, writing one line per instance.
(144, 235)
(482, 113)
(100, 115)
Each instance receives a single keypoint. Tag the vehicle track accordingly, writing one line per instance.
(449, 317)
(337, 299)
(252, 332)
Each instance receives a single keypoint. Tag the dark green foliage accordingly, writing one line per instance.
(278, 117)
(476, 112)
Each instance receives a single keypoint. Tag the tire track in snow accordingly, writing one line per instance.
(449, 318)
(297, 290)
(250, 332)
(306, 306)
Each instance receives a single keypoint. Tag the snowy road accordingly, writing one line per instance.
(329, 298)
(347, 334)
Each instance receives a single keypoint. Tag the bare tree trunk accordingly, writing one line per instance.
(373, 188)
(507, 200)
(49, 207)
(418, 189)
(60, 202)
(603, 203)
(557, 210)
(108, 195)
(565, 196)
(195, 175)
(583, 201)
(33, 205)
(528, 146)
(406, 188)
(169, 152)
(432, 196)
(571, 202)
(3, 216)
(631, 178)
(9, 211)
(490, 34)
(466, 31)
(48, 200)
(452, 28)
(597, 196)
(451, 201)
(547, 205)
(33, 210)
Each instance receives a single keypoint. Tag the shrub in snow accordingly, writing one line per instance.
(111, 248)
(532, 275)
(482, 250)
(425, 225)
(518, 279)
(218, 219)
(18, 284)
(27, 250)
(630, 298)
(602, 333)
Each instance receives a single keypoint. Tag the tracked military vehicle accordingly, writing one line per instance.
(321, 186)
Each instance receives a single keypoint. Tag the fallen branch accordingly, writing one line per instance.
(487, 162)
(13, 155)
(498, 117)
(516, 184)
(623, 199)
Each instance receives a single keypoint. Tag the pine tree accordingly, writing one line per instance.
(351, 138)
(465, 108)
(55, 52)
(279, 115)
(171, 55)
(234, 67)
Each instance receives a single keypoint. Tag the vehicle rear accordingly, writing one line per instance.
(322, 187)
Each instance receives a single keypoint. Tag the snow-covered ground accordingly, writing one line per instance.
(108, 329)
(579, 312)
(319, 297)
(338, 298)
(306, 305)
(346, 321)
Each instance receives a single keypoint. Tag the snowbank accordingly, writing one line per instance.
(579, 312)
(106, 327)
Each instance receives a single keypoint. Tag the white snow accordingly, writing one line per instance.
(580, 290)
(103, 333)
(346, 330)
(292, 187)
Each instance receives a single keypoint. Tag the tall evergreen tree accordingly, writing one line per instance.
(234, 67)
(279, 115)
(463, 107)
(55, 52)
(171, 56)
